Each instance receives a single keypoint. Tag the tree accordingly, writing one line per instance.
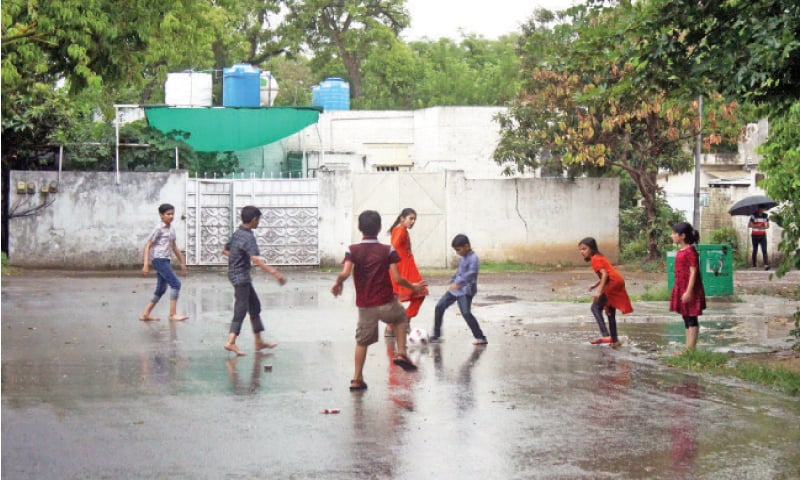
(782, 162)
(747, 49)
(580, 109)
(750, 49)
(347, 30)
(474, 71)
(391, 78)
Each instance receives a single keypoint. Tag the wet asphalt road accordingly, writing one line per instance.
(88, 391)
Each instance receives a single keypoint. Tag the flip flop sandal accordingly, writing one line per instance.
(356, 385)
(404, 362)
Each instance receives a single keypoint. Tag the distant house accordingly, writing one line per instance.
(724, 179)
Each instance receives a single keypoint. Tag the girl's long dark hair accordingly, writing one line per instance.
(692, 236)
(592, 244)
(404, 213)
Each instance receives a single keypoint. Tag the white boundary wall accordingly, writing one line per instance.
(94, 223)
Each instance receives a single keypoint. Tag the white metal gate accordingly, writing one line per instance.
(287, 235)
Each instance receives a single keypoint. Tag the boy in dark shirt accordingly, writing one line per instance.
(241, 250)
(374, 266)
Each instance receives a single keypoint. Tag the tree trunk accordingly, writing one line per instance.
(648, 188)
(353, 66)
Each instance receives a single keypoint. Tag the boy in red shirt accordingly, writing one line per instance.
(374, 267)
(759, 223)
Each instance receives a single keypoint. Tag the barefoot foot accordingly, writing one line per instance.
(231, 347)
(148, 318)
(178, 318)
(262, 345)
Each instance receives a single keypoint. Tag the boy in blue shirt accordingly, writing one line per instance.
(463, 286)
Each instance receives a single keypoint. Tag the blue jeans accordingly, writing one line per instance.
(465, 305)
(165, 277)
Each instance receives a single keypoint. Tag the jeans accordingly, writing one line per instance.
(759, 240)
(165, 277)
(465, 305)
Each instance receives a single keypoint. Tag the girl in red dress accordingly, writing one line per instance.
(688, 295)
(610, 295)
(408, 268)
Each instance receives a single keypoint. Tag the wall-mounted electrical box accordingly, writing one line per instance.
(31, 187)
(22, 187)
(53, 186)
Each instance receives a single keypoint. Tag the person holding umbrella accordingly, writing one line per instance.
(758, 225)
(755, 207)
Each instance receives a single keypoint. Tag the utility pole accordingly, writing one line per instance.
(696, 219)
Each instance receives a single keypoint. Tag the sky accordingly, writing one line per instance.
(489, 18)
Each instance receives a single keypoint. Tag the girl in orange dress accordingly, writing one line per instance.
(610, 295)
(408, 268)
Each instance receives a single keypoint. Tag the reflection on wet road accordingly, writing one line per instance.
(88, 391)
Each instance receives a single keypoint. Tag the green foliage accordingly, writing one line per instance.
(660, 293)
(160, 155)
(699, 360)
(580, 109)
(781, 163)
(347, 30)
(727, 235)
(637, 229)
(749, 49)
(776, 378)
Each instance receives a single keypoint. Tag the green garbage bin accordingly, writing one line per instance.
(716, 269)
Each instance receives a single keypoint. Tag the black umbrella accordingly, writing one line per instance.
(749, 205)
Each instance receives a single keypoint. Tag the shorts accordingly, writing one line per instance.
(367, 330)
(690, 321)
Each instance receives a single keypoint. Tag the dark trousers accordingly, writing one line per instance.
(465, 305)
(246, 301)
(762, 241)
(597, 310)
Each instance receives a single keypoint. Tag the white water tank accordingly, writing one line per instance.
(269, 88)
(188, 89)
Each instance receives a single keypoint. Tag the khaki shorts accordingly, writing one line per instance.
(367, 330)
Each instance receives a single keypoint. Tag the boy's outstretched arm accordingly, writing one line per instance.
(336, 289)
(269, 269)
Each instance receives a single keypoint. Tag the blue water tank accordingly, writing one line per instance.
(241, 86)
(333, 93)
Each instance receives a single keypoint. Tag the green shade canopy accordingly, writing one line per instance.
(225, 129)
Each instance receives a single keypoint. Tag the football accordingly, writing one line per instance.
(416, 337)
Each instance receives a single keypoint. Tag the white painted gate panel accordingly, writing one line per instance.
(287, 235)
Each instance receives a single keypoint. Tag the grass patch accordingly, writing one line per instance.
(699, 360)
(773, 377)
(6, 268)
(776, 378)
(661, 293)
(518, 267)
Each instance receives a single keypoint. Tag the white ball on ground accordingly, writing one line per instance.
(417, 337)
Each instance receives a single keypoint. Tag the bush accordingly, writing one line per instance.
(634, 230)
(727, 235)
